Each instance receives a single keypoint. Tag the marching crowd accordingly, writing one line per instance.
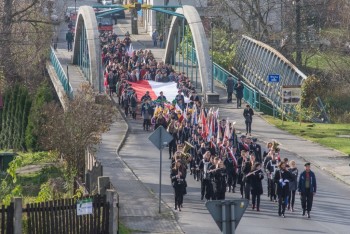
(204, 145)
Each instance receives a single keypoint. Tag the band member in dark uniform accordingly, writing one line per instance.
(241, 162)
(282, 179)
(293, 186)
(178, 183)
(307, 189)
(256, 148)
(271, 168)
(246, 169)
(255, 177)
(231, 167)
(173, 132)
(197, 159)
(204, 165)
(218, 177)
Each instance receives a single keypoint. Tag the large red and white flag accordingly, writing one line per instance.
(169, 89)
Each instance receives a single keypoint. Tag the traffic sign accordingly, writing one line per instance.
(160, 137)
(227, 213)
(274, 78)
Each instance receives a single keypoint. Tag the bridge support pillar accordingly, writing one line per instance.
(212, 97)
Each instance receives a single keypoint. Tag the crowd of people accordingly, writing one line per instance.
(203, 145)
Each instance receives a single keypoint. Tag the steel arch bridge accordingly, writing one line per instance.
(86, 50)
(254, 60)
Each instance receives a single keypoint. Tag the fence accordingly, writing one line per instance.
(98, 214)
(6, 219)
(221, 75)
(60, 73)
(60, 216)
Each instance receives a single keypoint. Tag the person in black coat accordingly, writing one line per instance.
(240, 166)
(229, 88)
(239, 93)
(292, 185)
(246, 170)
(218, 179)
(248, 116)
(206, 188)
(282, 179)
(307, 189)
(255, 177)
(256, 148)
(177, 176)
(231, 166)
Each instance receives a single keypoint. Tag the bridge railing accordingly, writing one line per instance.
(61, 74)
(221, 75)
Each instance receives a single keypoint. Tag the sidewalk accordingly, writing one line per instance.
(138, 206)
(76, 77)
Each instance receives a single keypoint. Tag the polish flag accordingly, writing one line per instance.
(169, 89)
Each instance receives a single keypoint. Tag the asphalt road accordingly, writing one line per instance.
(330, 212)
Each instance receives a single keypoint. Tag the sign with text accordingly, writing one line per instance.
(291, 94)
(84, 207)
(274, 78)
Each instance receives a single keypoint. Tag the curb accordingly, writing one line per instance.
(121, 144)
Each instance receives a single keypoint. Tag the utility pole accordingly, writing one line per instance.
(134, 28)
(298, 33)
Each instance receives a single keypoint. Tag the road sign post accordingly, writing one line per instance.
(159, 138)
(227, 213)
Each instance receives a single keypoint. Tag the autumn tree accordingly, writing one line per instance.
(26, 32)
(79, 128)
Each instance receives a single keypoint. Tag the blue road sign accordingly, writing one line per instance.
(274, 78)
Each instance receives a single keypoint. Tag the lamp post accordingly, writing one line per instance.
(75, 6)
(212, 54)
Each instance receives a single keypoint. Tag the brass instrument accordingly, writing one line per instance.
(184, 155)
(171, 127)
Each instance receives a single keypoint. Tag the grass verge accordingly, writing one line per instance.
(124, 229)
(324, 134)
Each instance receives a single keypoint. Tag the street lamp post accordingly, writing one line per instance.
(75, 6)
(212, 55)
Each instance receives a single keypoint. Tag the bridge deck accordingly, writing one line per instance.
(76, 77)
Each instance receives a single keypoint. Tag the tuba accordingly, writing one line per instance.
(184, 153)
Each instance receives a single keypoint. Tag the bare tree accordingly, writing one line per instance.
(253, 15)
(79, 128)
(24, 38)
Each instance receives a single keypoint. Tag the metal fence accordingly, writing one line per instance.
(61, 74)
(221, 75)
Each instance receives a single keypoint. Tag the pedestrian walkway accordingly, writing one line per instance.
(138, 206)
(73, 72)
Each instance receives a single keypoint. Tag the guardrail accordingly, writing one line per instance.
(60, 74)
(221, 75)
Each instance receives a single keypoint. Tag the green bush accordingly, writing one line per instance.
(35, 119)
